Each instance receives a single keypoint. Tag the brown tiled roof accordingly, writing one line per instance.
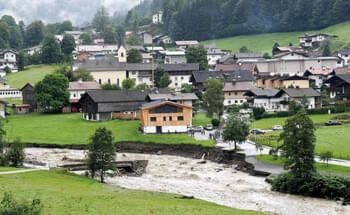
(321, 71)
(238, 86)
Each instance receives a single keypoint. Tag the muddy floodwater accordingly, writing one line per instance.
(210, 181)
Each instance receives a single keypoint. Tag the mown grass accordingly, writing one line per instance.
(334, 139)
(62, 193)
(320, 166)
(201, 119)
(8, 169)
(264, 42)
(32, 74)
(71, 129)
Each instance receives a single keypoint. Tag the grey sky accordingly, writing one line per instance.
(78, 11)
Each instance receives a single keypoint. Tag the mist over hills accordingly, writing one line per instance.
(50, 11)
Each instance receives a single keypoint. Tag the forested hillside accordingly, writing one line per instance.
(210, 19)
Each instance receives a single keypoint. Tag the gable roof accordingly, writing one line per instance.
(238, 86)
(112, 96)
(173, 96)
(180, 67)
(249, 55)
(158, 103)
(102, 65)
(262, 92)
(299, 92)
(344, 52)
(237, 75)
(86, 85)
(326, 72)
(28, 84)
(187, 42)
(232, 67)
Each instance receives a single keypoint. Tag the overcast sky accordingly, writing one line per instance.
(50, 11)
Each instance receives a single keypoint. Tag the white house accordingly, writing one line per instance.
(33, 50)
(157, 18)
(175, 57)
(79, 88)
(307, 40)
(145, 37)
(183, 45)
(96, 51)
(8, 58)
(9, 93)
(319, 76)
(165, 39)
(264, 98)
(214, 54)
(345, 55)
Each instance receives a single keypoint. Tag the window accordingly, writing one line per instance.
(118, 82)
(175, 84)
(182, 78)
(180, 118)
(170, 118)
(134, 73)
(109, 81)
(74, 95)
(164, 118)
(153, 119)
(100, 81)
(175, 78)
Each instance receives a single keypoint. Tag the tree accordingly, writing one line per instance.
(101, 153)
(304, 101)
(65, 26)
(68, 44)
(326, 52)
(15, 154)
(243, 49)
(258, 112)
(128, 83)
(9, 206)
(16, 39)
(326, 156)
(235, 130)
(266, 56)
(213, 98)
(2, 140)
(51, 50)
(7, 70)
(186, 88)
(51, 93)
(101, 19)
(298, 145)
(22, 60)
(86, 39)
(120, 34)
(197, 55)
(66, 70)
(82, 74)
(143, 86)
(134, 56)
(294, 107)
(134, 40)
(109, 35)
(110, 87)
(34, 33)
(157, 76)
(274, 48)
(4, 35)
(164, 81)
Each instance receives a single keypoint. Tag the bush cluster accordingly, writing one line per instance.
(317, 185)
(336, 109)
(215, 122)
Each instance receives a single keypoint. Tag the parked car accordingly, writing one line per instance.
(257, 131)
(277, 127)
(7, 113)
(209, 127)
(332, 123)
(197, 129)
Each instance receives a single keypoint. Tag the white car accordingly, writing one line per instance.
(277, 127)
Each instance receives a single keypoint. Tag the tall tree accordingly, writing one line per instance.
(326, 52)
(213, 97)
(120, 34)
(109, 35)
(67, 47)
(22, 60)
(197, 55)
(134, 40)
(51, 50)
(65, 26)
(164, 81)
(82, 74)
(101, 19)
(34, 33)
(51, 93)
(4, 35)
(101, 153)
(299, 144)
(235, 130)
(86, 39)
(15, 155)
(134, 56)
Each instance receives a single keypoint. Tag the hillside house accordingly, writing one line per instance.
(33, 50)
(214, 54)
(279, 82)
(157, 18)
(183, 45)
(162, 117)
(77, 90)
(307, 40)
(345, 55)
(145, 37)
(96, 51)
(319, 76)
(187, 99)
(10, 93)
(8, 58)
(288, 49)
(146, 58)
(234, 92)
(263, 97)
(106, 105)
(179, 73)
(340, 87)
(175, 57)
(233, 67)
(162, 39)
(249, 56)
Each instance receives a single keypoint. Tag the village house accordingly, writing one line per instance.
(8, 58)
(2, 109)
(76, 90)
(21, 108)
(288, 49)
(162, 117)
(157, 18)
(183, 45)
(340, 87)
(103, 105)
(33, 50)
(319, 76)
(249, 56)
(175, 57)
(307, 40)
(187, 99)
(279, 82)
(145, 37)
(162, 39)
(141, 73)
(214, 54)
(345, 55)
(96, 51)
(179, 73)
(28, 96)
(233, 67)
(146, 58)
(234, 92)
(99, 41)
(264, 97)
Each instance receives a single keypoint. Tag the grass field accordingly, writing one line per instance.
(201, 119)
(334, 139)
(31, 74)
(320, 166)
(264, 42)
(66, 129)
(8, 169)
(267, 123)
(62, 193)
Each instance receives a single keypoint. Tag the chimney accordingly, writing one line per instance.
(80, 81)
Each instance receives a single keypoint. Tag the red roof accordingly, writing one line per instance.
(21, 105)
(321, 71)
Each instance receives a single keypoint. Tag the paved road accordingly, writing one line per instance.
(19, 171)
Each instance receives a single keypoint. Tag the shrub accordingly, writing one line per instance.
(320, 186)
(9, 206)
(320, 111)
(15, 155)
(258, 112)
(340, 108)
(215, 122)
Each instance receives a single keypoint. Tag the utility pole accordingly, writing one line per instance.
(152, 32)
